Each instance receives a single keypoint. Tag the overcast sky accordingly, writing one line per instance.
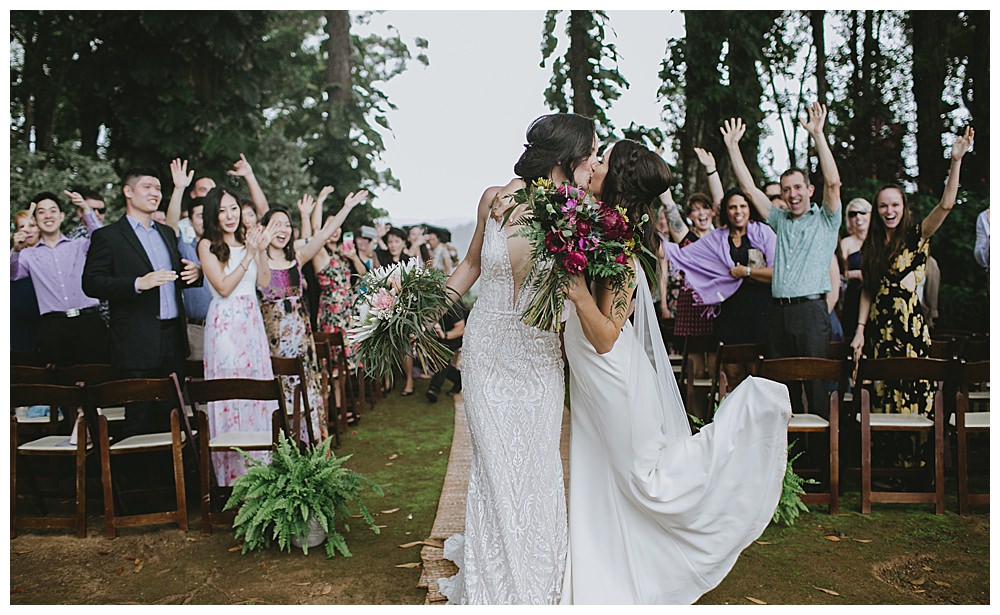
(460, 122)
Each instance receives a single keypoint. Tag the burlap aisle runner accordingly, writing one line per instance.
(450, 517)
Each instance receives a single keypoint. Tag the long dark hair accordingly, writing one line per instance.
(724, 215)
(882, 245)
(566, 139)
(636, 177)
(213, 231)
(289, 249)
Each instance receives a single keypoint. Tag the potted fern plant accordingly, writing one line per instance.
(280, 499)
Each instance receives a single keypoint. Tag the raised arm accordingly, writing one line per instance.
(90, 221)
(831, 176)
(306, 253)
(934, 219)
(182, 179)
(707, 160)
(242, 168)
(678, 228)
(317, 213)
(732, 131)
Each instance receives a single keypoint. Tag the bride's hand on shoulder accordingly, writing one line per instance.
(502, 199)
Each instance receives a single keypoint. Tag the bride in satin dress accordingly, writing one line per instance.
(514, 547)
(656, 515)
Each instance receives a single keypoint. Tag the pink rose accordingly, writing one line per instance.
(621, 259)
(583, 226)
(574, 262)
(614, 224)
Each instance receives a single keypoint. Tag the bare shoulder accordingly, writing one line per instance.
(496, 200)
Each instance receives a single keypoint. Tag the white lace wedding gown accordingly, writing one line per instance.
(514, 548)
(656, 515)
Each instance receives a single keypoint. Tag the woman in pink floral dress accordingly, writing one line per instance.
(285, 316)
(234, 261)
(336, 265)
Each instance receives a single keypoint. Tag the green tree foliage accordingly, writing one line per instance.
(139, 88)
(712, 74)
(586, 79)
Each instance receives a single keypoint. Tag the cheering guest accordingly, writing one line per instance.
(235, 263)
(23, 304)
(858, 218)
(71, 329)
(133, 263)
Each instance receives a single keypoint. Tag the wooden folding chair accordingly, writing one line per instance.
(30, 425)
(741, 357)
(340, 381)
(201, 392)
(71, 398)
(94, 373)
(804, 369)
(695, 389)
(119, 393)
(971, 416)
(330, 387)
(903, 369)
(301, 410)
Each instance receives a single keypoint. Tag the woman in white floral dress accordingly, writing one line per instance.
(234, 261)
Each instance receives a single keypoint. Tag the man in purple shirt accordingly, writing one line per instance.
(135, 265)
(71, 329)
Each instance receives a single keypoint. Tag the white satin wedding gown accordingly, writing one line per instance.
(658, 515)
(514, 547)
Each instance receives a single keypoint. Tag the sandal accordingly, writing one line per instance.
(406, 393)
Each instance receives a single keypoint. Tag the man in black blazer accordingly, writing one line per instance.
(134, 264)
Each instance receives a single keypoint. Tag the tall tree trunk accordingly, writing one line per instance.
(702, 92)
(976, 171)
(819, 42)
(929, 72)
(579, 64)
(338, 64)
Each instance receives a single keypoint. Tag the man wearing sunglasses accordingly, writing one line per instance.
(95, 203)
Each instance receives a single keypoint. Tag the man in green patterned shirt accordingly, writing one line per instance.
(798, 319)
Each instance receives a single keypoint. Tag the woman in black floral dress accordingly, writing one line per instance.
(894, 260)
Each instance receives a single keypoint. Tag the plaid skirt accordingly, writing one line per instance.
(692, 319)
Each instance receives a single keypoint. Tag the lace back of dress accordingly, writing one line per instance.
(650, 340)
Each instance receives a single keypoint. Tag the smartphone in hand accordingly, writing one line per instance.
(348, 241)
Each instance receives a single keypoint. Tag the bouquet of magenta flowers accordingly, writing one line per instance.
(395, 308)
(572, 233)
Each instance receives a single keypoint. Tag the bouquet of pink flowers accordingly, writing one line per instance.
(393, 308)
(572, 233)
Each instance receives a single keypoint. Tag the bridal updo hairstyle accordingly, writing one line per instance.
(565, 139)
(213, 230)
(636, 177)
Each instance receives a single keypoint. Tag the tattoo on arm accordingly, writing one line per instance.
(678, 229)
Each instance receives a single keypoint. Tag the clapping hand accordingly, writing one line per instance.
(191, 271)
(181, 176)
(381, 228)
(155, 278)
(732, 131)
(963, 144)
(817, 117)
(241, 168)
(706, 159)
(255, 239)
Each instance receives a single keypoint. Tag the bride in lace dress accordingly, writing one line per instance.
(514, 547)
(656, 515)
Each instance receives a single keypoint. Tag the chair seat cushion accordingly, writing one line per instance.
(974, 420)
(895, 419)
(113, 414)
(242, 439)
(145, 441)
(52, 444)
(807, 421)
